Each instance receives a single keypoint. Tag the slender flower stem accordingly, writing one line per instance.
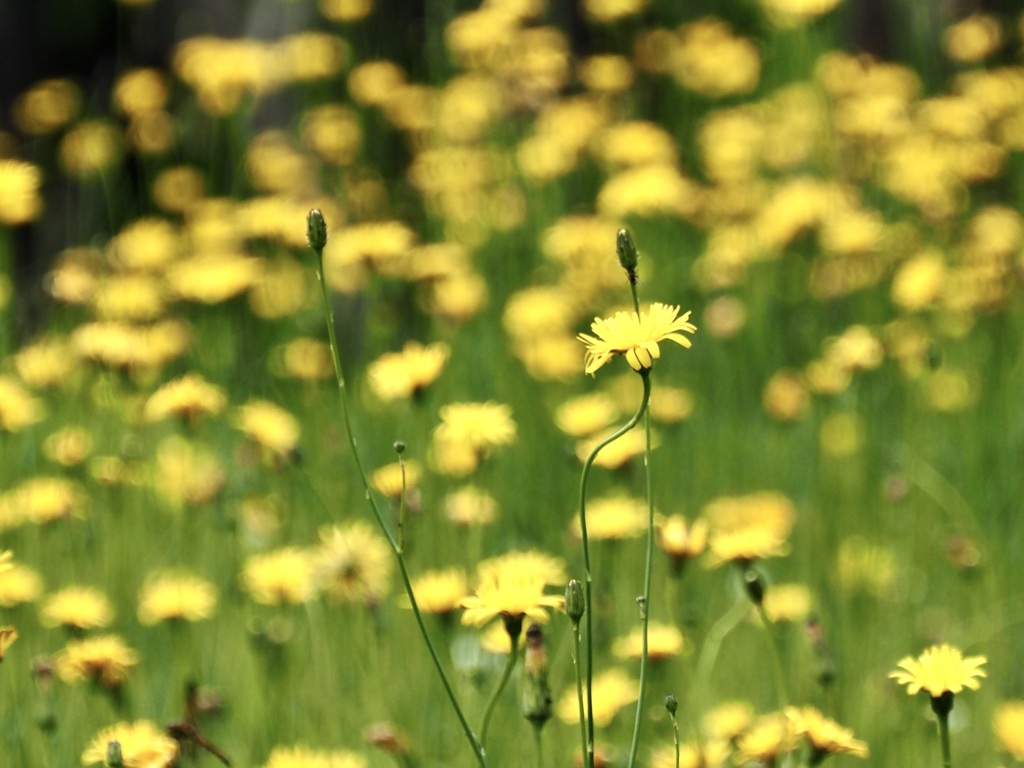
(941, 705)
(780, 678)
(645, 600)
(577, 663)
(588, 584)
(513, 656)
(474, 742)
(539, 745)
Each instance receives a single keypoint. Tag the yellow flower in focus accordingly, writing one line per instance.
(143, 745)
(751, 527)
(7, 637)
(1008, 724)
(635, 338)
(612, 690)
(77, 608)
(18, 409)
(825, 736)
(439, 592)
(279, 577)
(268, 425)
(663, 642)
(176, 596)
(404, 375)
(104, 659)
(187, 398)
(512, 593)
(18, 583)
(353, 563)
(20, 201)
(940, 669)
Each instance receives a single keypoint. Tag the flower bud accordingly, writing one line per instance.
(399, 447)
(114, 758)
(671, 704)
(575, 603)
(316, 230)
(536, 692)
(628, 256)
(754, 583)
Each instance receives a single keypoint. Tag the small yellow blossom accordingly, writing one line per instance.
(69, 447)
(940, 669)
(663, 642)
(104, 659)
(614, 517)
(143, 745)
(472, 430)
(18, 584)
(680, 539)
(750, 527)
(171, 596)
(403, 375)
(18, 409)
(268, 425)
(440, 592)
(825, 736)
(389, 479)
(187, 472)
(512, 593)
(78, 608)
(188, 398)
(353, 563)
(304, 757)
(612, 690)
(280, 576)
(767, 738)
(470, 506)
(1008, 724)
(635, 337)
(20, 201)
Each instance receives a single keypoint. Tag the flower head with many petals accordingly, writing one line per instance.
(635, 337)
(940, 669)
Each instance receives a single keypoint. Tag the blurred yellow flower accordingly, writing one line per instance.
(614, 517)
(130, 297)
(470, 506)
(585, 415)
(42, 500)
(606, 73)
(346, 10)
(304, 358)
(187, 398)
(176, 596)
(470, 431)
(712, 61)
(213, 278)
(280, 576)
(940, 669)
(793, 13)
(104, 659)
(143, 745)
(46, 362)
(142, 90)
(648, 190)
(47, 106)
(69, 447)
(681, 539)
(387, 480)
(663, 642)
(605, 11)
(372, 83)
(788, 602)
(825, 736)
(268, 425)
(354, 563)
(90, 147)
(176, 189)
(635, 337)
(77, 607)
(612, 690)
(439, 592)
(18, 583)
(618, 453)
(750, 527)
(18, 409)
(728, 720)
(973, 38)
(333, 132)
(20, 201)
(548, 568)
(403, 375)
(304, 757)
(1008, 724)
(768, 737)
(187, 472)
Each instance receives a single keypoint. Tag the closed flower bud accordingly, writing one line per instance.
(628, 256)
(671, 704)
(536, 692)
(316, 230)
(754, 583)
(575, 604)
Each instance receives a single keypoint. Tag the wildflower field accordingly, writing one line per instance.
(522, 383)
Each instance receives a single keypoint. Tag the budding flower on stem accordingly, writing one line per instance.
(628, 255)
(536, 692)
(575, 604)
(316, 230)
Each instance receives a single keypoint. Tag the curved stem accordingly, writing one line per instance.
(645, 602)
(474, 743)
(513, 656)
(780, 678)
(589, 755)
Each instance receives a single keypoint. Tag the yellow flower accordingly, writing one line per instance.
(548, 568)
(90, 147)
(1008, 724)
(470, 506)
(7, 637)
(387, 480)
(439, 592)
(176, 189)
(682, 540)
(940, 669)
(78, 608)
(18, 409)
(585, 415)
(304, 757)
(728, 720)
(788, 602)
(354, 563)
(5, 560)
(269, 425)
(143, 745)
(333, 133)
(18, 584)
(618, 453)
(606, 11)
(68, 447)
(403, 375)
(612, 690)
(20, 201)
(281, 576)
(636, 338)
(825, 736)
(187, 473)
(141, 91)
(615, 517)
(47, 106)
(212, 278)
(769, 737)
(472, 429)
(663, 642)
(187, 398)
(176, 596)
(104, 659)
(511, 593)
(746, 528)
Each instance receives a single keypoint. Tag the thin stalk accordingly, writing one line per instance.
(513, 656)
(474, 742)
(941, 705)
(539, 745)
(577, 663)
(645, 600)
(780, 678)
(589, 754)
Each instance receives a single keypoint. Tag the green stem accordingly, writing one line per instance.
(539, 745)
(513, 656)
(474, 742)
(780, 678)
(588, 759)
(645, 601)
(713, 642)
(579, 687)
(943, 720)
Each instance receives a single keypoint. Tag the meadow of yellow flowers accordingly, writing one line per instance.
(517, 383)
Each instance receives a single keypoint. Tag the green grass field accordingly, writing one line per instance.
(842, 227)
